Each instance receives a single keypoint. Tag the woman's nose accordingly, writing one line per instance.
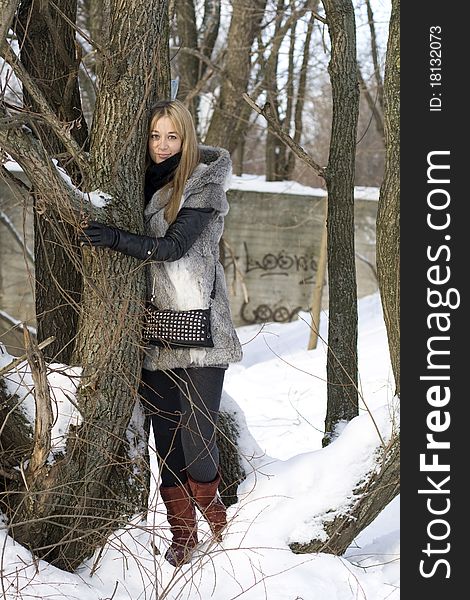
(163, 143)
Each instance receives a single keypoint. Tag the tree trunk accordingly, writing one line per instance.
(230, 119)
(71, 505)
(16, 433)
(275, 148)
(48, 53)
(342, 403)
(299, 104)
(209, 31)
(273, 144)
(188, 63)
(388, 213)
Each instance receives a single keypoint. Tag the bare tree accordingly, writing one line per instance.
(188, 62)
(383, 484)
(300, 100)
(64, 509)
(342, 402)
(244, 27)
(194, 49)
(339, 175)
(376, 104)
(276, 168)
(49, 57)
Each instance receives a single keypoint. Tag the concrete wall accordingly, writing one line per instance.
(273, 247)
(271, 253)
(16, 272)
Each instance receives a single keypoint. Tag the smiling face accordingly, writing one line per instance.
(164, 140)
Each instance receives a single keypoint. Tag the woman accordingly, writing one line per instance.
(186, 203)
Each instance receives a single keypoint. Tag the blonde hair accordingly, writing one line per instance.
(184, 125)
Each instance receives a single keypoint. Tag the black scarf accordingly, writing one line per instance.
(158, 175)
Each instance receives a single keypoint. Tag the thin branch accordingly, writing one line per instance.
(372, 103)
(202, 57)
(267, 113)
(317, 16)
(200, 86)
(369, 264)
(80, 31)
(61, 129)
(15, 323)
(375, 54)
(15, 363)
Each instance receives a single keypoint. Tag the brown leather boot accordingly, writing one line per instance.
(209, 503)
(182, 519)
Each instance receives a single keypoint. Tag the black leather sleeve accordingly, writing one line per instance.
(182, 233)
(179, 238)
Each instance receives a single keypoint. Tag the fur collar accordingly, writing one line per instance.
(218, 169)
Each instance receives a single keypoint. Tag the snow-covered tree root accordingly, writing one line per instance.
(370, 498)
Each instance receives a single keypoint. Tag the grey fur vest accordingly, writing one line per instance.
(187, 283)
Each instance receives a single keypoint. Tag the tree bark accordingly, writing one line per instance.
(388, 213)
(49, 55)
(16, 432)
(188, 63)
(301, 88)
(342, 403)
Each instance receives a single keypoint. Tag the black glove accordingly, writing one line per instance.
(97, 234)
(105, 236)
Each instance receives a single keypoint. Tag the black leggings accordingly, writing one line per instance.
(184, 405)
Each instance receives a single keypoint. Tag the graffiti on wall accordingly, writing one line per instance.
(274, 268)
(281, 263)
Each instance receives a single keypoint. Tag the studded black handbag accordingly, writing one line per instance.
(178, 328)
